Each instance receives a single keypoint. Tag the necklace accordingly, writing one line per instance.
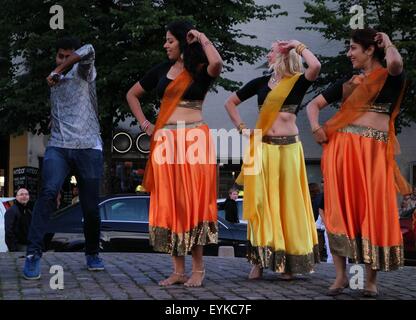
(274, 79)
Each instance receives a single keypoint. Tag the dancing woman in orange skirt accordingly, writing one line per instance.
(181, 171)
(361, 175)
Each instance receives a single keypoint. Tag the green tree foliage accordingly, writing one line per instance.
(394, 17)
(128, 36)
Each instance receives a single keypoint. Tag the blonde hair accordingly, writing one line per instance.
(287, 64)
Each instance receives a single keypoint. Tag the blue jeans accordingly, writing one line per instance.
(57, 164)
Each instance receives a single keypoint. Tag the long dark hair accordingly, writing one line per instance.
(365, 37)
(193, 54)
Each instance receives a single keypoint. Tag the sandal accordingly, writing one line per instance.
(370, 294)
(286, 277)
(182, 278)
(337, 291)
(260, 274)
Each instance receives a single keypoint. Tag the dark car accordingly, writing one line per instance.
(408, 229)
(125, 227)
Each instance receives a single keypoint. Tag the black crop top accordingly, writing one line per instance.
(388, 94)
(156, 78)
(260, 87)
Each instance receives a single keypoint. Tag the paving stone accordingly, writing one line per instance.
(135, 276)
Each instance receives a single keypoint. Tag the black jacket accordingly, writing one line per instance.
(231, 211)
(317, 203)
(16, 224)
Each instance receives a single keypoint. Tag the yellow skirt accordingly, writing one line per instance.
(281, 230)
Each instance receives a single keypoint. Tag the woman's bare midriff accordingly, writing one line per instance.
(186, 115)
(284, 125)
(374, 120)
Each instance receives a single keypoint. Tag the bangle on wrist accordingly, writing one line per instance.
(241, 126)
(389, 46)
(316, 129)
(299, 48)
(145, 125)
(206, 43)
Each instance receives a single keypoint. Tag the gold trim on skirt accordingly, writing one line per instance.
(163, 240)
(362, 251)
(282, 262)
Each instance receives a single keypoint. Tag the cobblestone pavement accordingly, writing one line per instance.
(135, 276)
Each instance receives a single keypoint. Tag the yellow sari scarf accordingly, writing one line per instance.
(268, 114)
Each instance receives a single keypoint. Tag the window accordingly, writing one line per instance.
(240, 210)
(102, 213)
(126, 175)
(128, 209)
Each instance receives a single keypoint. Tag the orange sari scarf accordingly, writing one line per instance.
(361, 92)
(171, 97)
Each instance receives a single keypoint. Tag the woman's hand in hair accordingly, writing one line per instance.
(288, 45)
(382, 40)
(193, 36)
(214, 59)
(314, 66)
(393, 58)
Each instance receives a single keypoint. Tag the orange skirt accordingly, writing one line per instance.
(361, 214)
(183, 205)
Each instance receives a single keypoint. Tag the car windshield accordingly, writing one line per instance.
(127, 209)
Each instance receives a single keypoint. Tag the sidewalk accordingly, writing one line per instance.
(135, 276)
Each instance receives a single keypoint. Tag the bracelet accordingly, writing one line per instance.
(55, 75)
(241, 126)
(145, 125)
(206, 43)
(389, 46)
(316, 129)
(299, 48)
